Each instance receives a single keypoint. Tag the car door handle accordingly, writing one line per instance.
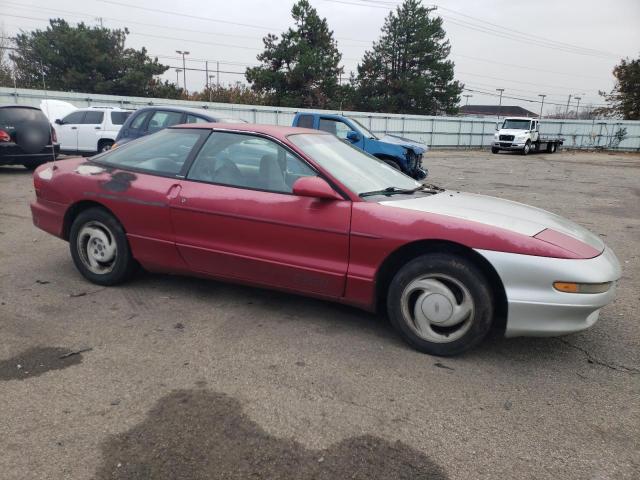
(97, 128)
(173, 191)
(74, 128)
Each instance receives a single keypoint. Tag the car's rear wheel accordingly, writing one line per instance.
(551, 148)
(99, 248)
(441, 304)
(104, 145)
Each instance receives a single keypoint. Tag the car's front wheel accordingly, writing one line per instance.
(99, 248)
(441, 304)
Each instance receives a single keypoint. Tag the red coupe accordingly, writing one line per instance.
(302, 211)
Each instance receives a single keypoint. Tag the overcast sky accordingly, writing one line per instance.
(528, 48)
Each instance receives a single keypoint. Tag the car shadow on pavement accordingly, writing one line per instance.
(194, 434)
(14, 170)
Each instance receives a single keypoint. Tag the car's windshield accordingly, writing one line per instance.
(514, 124)
(356, 170)
(362, 129)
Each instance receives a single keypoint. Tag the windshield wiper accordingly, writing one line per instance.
(392, 191)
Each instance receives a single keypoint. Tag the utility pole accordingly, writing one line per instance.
(500, 104)
(577, 106)
(210, 88)
(467, 97)
(217, 74)
(178, 70)
(566, 113)
(206, 74)
(541, 105)
(184, 53)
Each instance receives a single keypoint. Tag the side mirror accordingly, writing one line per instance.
(58, 121)
(353, 136)
(314, 187)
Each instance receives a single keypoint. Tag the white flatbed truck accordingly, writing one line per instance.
(523, 134)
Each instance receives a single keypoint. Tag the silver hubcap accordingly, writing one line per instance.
(97, 247)
(438, 308)
(526, 148)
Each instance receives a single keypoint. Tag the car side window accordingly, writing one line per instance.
(138, 120)
(163, 153)
(336, 127)
(73, 118)
(305, 121)
(247, 161)
(162, 119)
(93, 118)
(196, 119)
(118, 118)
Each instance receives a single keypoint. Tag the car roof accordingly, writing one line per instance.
(279, 132)
(177, 108)
(520, 118)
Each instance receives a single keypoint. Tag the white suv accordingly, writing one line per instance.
(90, 130)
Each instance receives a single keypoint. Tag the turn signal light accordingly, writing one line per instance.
(4, 136)
(571, 287)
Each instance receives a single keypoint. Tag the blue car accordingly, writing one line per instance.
(151, 119)
(401, 153)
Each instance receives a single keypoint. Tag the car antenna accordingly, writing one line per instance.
(51, 129)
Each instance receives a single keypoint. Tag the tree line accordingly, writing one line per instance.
(407, 70)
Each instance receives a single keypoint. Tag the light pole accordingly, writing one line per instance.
(500, 104)
(210, 87)
(178, 70)
(578, 107)
(184, 53)
(541, 105)
(566, 113)
(467, 97)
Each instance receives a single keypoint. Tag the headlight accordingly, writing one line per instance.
(495, 135)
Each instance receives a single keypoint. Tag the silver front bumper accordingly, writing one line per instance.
(506, 145)
(535, 308)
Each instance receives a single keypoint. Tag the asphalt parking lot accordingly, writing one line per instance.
(185, 378)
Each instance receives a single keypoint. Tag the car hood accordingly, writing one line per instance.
(417, 147)
(496, 212)
(510, 131)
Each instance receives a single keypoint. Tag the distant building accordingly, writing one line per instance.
(492, 111)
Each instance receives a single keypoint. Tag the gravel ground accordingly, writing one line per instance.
(177, 378)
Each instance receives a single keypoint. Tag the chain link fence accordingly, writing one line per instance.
(435, 131)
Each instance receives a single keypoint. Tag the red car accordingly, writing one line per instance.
(302, 211)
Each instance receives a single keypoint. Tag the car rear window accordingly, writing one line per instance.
(118, 118)
(305, 121)
(14, 115)
(93, 118)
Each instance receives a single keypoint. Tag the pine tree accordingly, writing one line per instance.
(301, 69)
(407, 70)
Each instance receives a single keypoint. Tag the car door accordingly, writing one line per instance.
(67, 131)
(137, 184)
(236, 217)
(90, 131)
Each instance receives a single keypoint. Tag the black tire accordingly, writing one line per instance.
(527, 148)
(551, 147)
(104, 145)
(392, 163)
(452, 269)
(494, 150)
(123, 266)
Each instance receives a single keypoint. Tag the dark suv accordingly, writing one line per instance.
(26, 137)
(151, 119)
